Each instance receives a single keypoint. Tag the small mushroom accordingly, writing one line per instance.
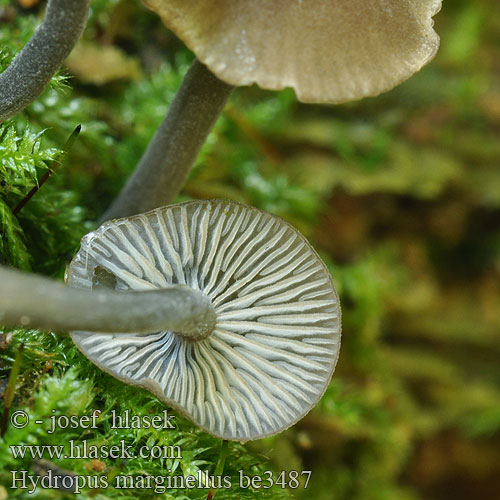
(328, 51)
(276, 339)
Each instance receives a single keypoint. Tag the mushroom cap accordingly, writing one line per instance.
(328, 51)
(277, 335)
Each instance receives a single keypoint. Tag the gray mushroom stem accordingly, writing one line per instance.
(37, 302)
(164, 167)
(27, 76)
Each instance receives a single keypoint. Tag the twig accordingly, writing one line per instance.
(52, 168)
(219, 468)
(27, 76)
(165, 165)
(36, 302)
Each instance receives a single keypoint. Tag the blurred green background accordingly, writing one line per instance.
(400, 195)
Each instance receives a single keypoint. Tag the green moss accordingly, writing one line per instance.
(58, 382)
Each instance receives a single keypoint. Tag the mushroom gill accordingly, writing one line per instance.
(276, 339)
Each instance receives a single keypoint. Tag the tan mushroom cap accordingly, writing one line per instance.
(328, 51)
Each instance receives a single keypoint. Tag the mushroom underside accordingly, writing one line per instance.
(275, 344)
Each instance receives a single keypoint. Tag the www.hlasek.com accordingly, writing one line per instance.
(81, 449)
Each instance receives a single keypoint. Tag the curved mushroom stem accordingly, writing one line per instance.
(37, 302)
(25, 79)
(165, 165)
